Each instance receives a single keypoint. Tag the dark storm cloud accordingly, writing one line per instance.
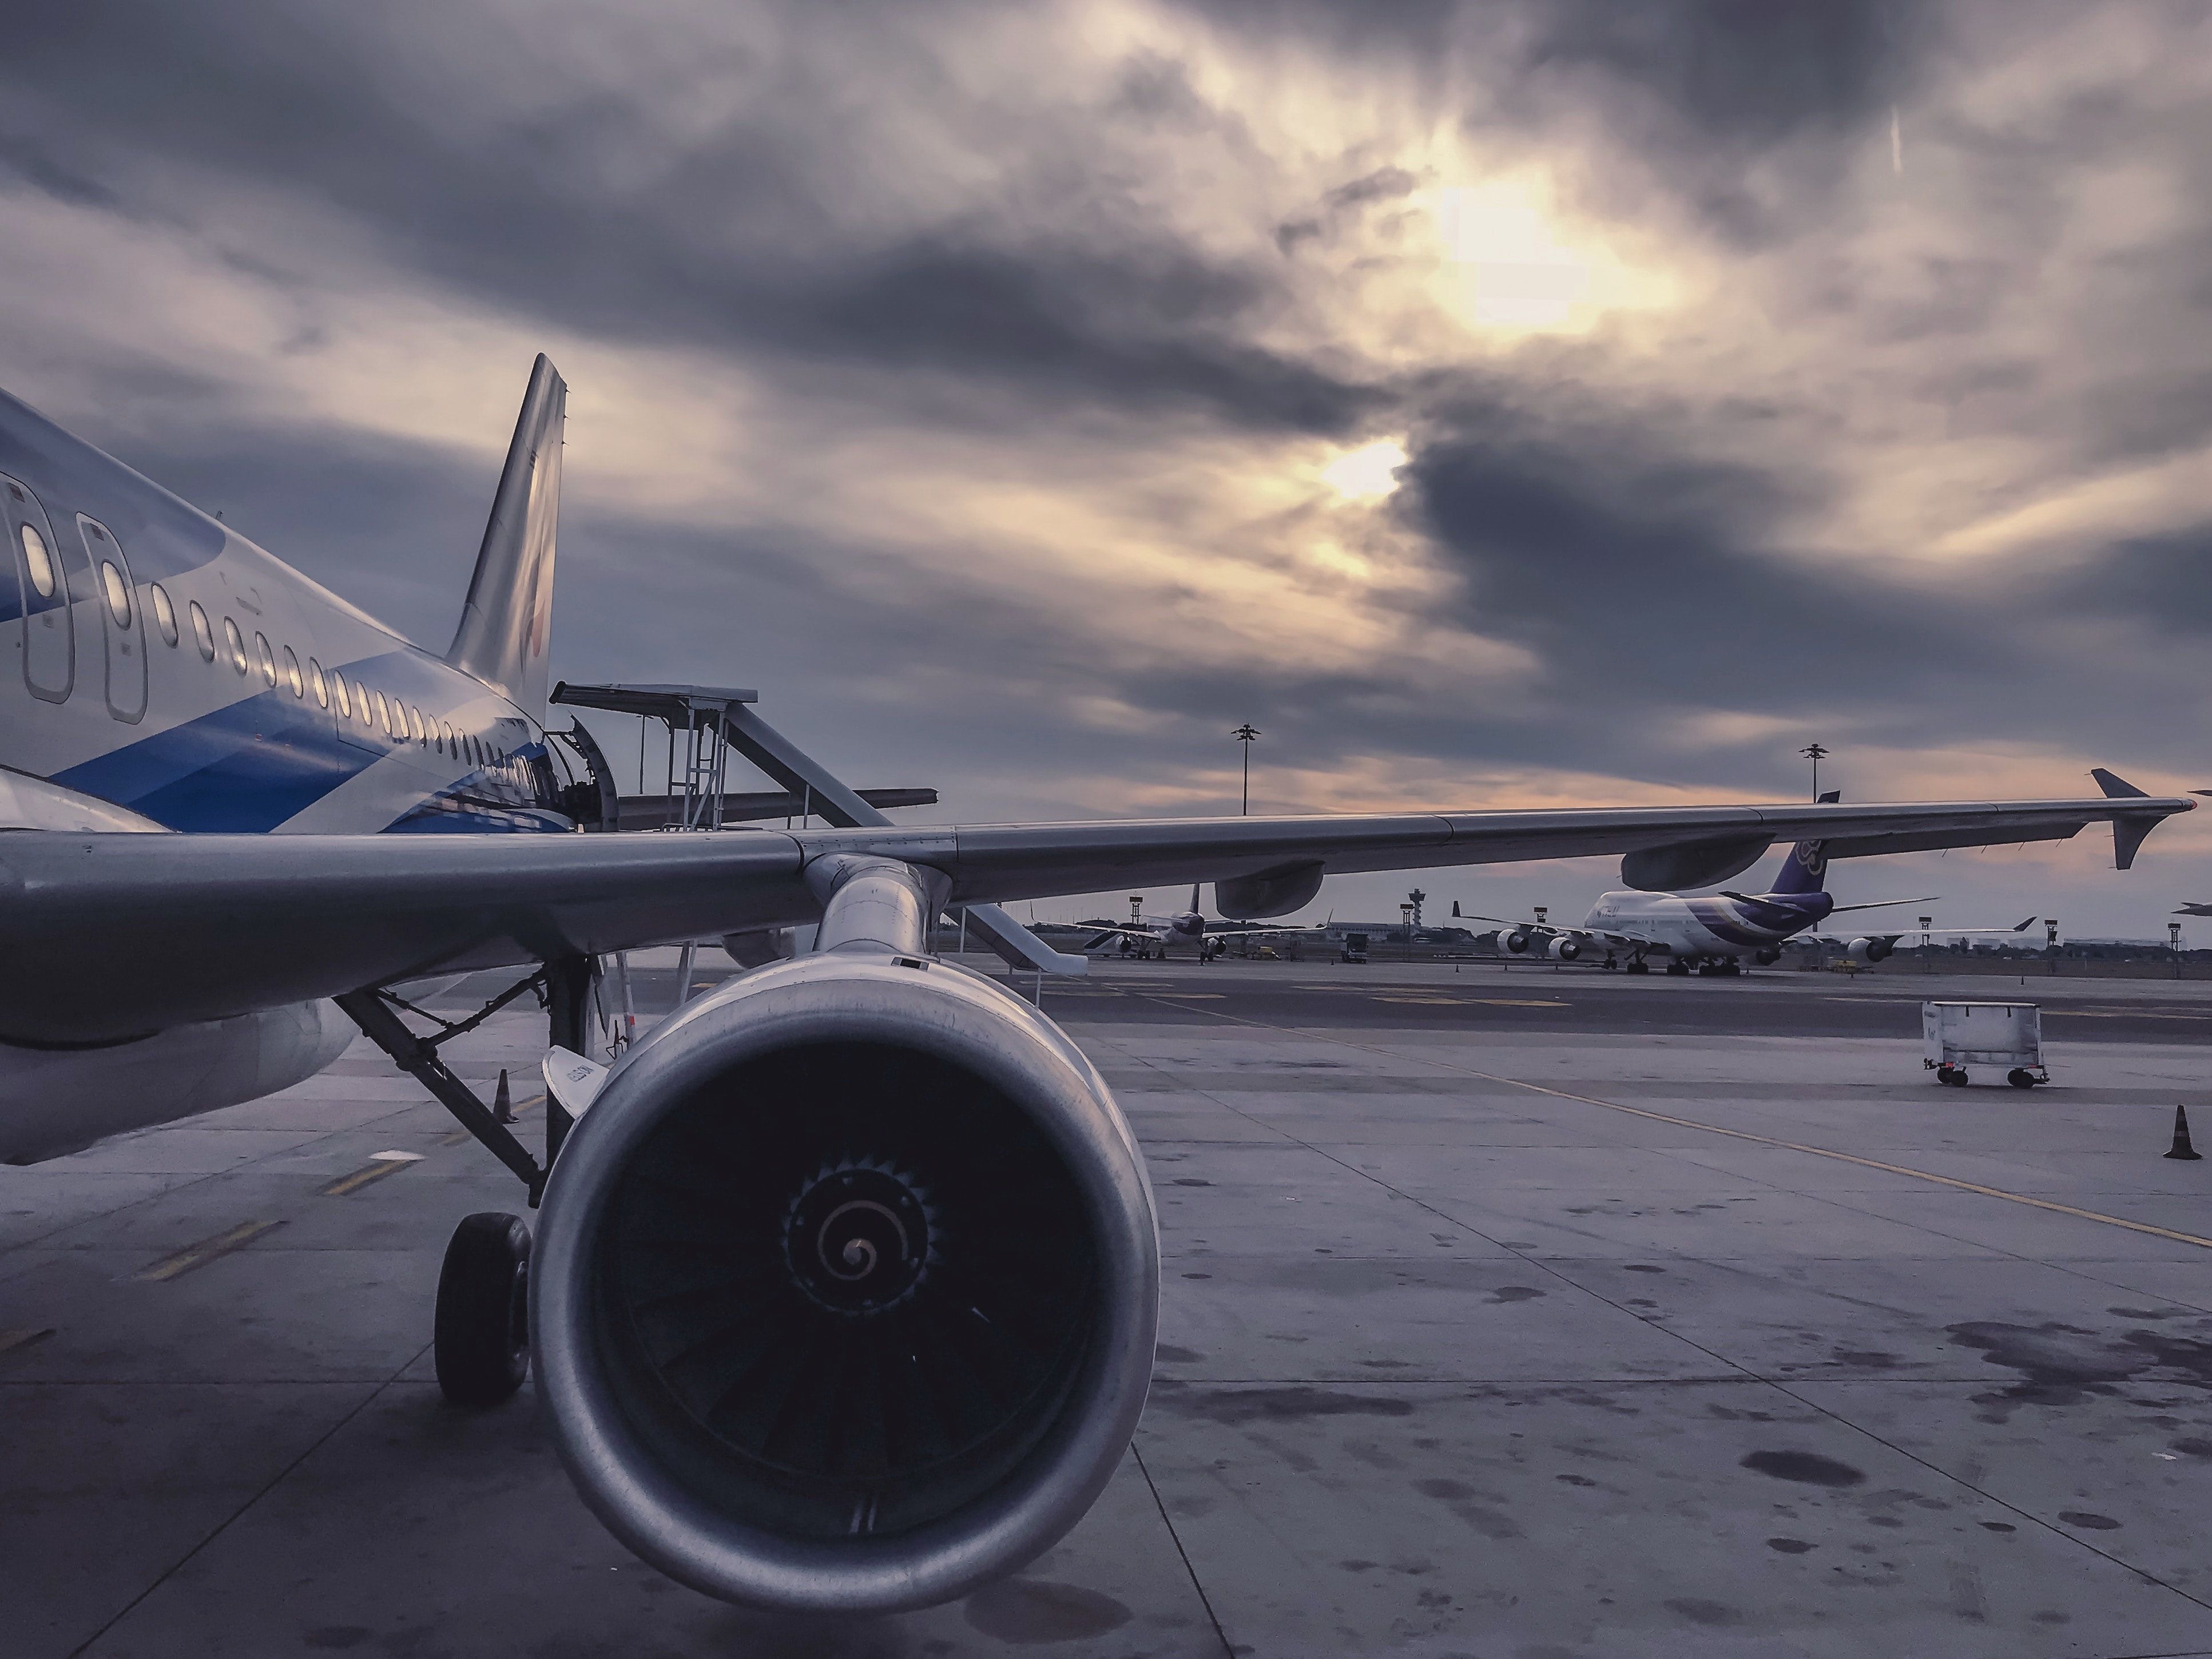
(525, 211)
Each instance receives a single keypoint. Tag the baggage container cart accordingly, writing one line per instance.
(1955, 1036)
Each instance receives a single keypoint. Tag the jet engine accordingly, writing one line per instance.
(1519, 940)
(845, 1292)
(1565, 949)
(1869, 950)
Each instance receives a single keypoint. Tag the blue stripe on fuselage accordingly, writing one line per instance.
(247, 766)
(253, 765)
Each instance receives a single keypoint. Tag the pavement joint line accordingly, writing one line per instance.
(1787, 1387)
(1673, 1121)
(1175, 1537)
(368, 1398)
(208, 1250)
(12, 1341)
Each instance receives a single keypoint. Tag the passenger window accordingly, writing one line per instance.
(40, 561)
(322, 688)
(446, 740)
(417, 725)
(292, 673)
(203, 634)
(266, 657)
(118, 594)
(383, 713)
(236, 641)
(165, 614)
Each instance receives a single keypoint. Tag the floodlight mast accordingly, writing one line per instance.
(1814, 753)
(1246, 734)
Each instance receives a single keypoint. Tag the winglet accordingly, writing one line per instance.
(2128, 831)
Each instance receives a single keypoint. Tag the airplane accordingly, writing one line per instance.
(844, 1285)
(1711, 934)
(2187, 909)
(1153, 934)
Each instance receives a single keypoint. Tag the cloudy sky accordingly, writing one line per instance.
(1499, 404)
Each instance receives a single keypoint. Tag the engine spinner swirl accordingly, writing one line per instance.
(859, 1237)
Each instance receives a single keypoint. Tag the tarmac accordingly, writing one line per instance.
(1519, 1314)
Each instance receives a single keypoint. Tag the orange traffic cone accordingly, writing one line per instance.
(2181, 1147)
(502, 1105)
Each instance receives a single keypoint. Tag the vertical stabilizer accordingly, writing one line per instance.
(1806, 869)
(507, 623)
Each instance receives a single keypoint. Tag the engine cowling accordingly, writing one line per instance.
(845, 1290)
(1518, 940)
(1869, 950)
(1565, 949)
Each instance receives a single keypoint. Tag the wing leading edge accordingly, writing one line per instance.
(108, 936)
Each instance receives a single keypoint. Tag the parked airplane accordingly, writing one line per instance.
(846, 1277)
(1151, 935)
(1713, 934)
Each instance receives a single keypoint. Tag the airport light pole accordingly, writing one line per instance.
(1246, 734)
(1814, 753)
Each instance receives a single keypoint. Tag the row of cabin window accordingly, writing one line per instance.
(395, 719)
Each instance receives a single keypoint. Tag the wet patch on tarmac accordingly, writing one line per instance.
(1808, 1469)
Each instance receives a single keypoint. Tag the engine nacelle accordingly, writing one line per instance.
(1869, 950)
(1518, 940)
(1563, 949)
(845, 1291)
(1766, 957)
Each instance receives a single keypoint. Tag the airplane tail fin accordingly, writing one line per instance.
(506, 623)
(1806, 869)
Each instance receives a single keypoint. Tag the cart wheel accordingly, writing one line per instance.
(2021, 1078)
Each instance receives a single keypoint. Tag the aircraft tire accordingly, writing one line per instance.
(481, 1330)
(1639, 966)
(1680, 969)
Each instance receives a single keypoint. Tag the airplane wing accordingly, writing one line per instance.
(109, 935)
(2020, 927)
(1882, 904)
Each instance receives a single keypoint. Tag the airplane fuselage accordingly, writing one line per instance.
(153, 659)
(1712, 926)
(156, 659)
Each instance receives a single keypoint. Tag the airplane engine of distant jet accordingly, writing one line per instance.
(1767, 958)
(845, 1290)
(1518, 940)
(1565, 949)
(1869, 949)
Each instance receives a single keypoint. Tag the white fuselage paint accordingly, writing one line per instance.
(129, 729)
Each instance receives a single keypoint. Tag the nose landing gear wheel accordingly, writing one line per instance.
(482, 1331)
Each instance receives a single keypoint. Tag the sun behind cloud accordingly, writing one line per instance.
(1368, 473)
